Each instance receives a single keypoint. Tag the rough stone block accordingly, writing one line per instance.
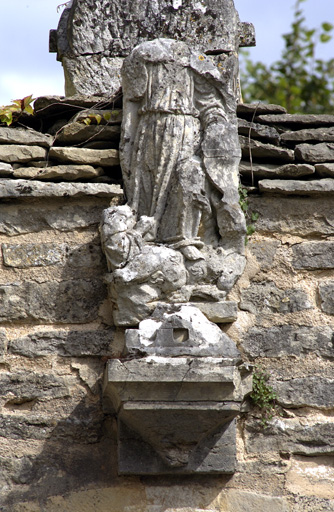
(283, 340)
(315, 153)
(296, 187)
(42, 215)
(58, 172)
(25, 386)
(258, 108)
(5, 169)
(87, 255)
(296, 120)
(68, 301)
(246, 501)
(3, 342)
(258, 131)
(25, 137)
(32, 255)
(301, 217)
(326, 292)
(266, 297)
(325, 169)
(68, 344)
(262, 150)
(99, 157)
(308, 135)
(306, 392)
(21, 153)
(264, 251)
(313, 255)
(76, 133)
(290, 436)
(274, 171)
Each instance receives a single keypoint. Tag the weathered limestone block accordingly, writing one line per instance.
(264, 151)
(264, 251)
(5, 169)
(31, 218)
(258, 131)
(326, 292)
(58, 172)
(21, 153)
(65, 344)
(24, 136)
(323, 186)
(76, 133)
(309, 135)
(296, 120)
(301, 217)
(291, 436)
(265, 297)
(274, 171)
(102, 157)
(311, 391)
(315, 153)
(3, 342)
(27, 386)
(32, 255)
(325, 169)
(281, 340)
(65, 302)
(251, 109)
(313, 255)
(28, 188)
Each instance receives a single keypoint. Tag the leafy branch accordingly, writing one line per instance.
(263, 396)
(11, 113)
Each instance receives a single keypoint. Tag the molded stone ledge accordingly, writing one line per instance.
(26, 188)
(294, 187)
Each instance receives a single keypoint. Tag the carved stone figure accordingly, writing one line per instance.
(179, 156)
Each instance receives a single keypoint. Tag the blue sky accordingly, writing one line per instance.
(28, 68)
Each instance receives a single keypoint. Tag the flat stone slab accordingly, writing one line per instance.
(297, 119)
(311, 391)
(260, 108)
(100, 157)
(315, 153)
(44, 106)
(76, 133)
(313, 255)
(58, 172)
(27, 188)
(28, 137)
(261, 150)
(5, 169)
(288, 187)
(272, 171)
(256, 131)
(325, 169)
(307, 135)
(21, 153)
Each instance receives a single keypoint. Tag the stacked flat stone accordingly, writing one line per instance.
(286, 153)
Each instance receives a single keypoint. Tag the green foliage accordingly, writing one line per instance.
(299, 81)
(250, 218)
(11, 113)
(96, 118)
(263, 395)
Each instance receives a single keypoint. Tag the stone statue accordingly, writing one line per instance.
(181, 236)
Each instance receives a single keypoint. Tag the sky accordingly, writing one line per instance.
(27, 67)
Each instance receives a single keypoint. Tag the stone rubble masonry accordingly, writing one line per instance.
(57, 442)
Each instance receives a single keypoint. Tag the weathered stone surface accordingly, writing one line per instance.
(281, 340)
(24, 136)
(323, 186)
(65, 302)
(325, 169)
(265, 297)
(15, 153)
(102, 74)
(258, 131)
(297, 119)
(313, 255)
(264, 151)
(306, 392)
(218, 312)
(315, 153)
(310, 480)
(76, 133)
(3, 342)
(274, 171)
(77, 213)
(27, 386)
(264, 251)
(5, 169)
(183, 330)
(68, 344)
(308, 135)
(28, 188)
(67, 107)
(58, 172)
(326, 292)
(245, 501)
(102, 157)
(290, 436)
(260, 108)
(32, 255)
(85, 256)
(300, 216)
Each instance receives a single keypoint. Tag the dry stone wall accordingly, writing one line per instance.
(57, 443)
